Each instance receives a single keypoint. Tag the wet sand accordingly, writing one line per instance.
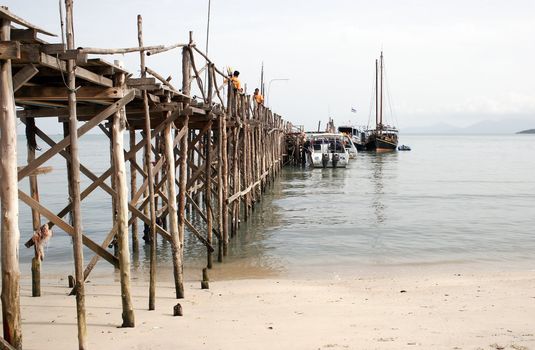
(431, 309)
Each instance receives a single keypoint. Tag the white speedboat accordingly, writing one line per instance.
(329, 150)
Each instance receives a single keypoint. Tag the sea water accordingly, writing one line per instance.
(466, 199)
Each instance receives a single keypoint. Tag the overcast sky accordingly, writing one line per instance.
(455, 62)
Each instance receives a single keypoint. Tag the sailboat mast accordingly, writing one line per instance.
(262, 80)
(381, 108)
(376, 94)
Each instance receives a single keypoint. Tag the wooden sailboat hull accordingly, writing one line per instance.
(382, 144)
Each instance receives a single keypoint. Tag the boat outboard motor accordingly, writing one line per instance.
(325, 159)
(336, 158)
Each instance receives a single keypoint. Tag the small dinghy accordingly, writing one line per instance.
(404, 148)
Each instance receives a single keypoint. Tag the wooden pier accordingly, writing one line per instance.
(208, 151)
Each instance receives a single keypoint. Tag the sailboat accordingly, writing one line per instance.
(383, 137)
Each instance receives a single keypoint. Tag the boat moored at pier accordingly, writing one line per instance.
(329, 150)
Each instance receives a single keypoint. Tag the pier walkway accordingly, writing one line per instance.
(207, 151)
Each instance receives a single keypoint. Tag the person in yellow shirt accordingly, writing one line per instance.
(236, 82)
(258, 97)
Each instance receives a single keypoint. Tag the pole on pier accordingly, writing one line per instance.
(224, 175)
(9, 202)
(74, 184)
(34, 193)
(149, 167)
(173, 210)
(133, 190)
(121, 205)
(182, 193)
(208, 191)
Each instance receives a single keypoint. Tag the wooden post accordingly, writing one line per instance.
(220, 198)
(9, 202)
(224, 175)
(236, 182)
(244, 157)
(173, 211)
(182, 188)
(113, 184)
(208, 191)
(183, 166)
(34, 193)
(74, 176)
(133, 190)
(121, 206)
(148, 164)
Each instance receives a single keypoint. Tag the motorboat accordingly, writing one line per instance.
(329, 150)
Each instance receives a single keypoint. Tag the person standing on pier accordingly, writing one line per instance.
(236, 82)
(258, 97)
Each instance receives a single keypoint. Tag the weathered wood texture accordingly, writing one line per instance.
(121, 206)
(9, 206)
(74, 184)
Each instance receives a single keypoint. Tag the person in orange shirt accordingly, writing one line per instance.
(258, 97)
(236, 82)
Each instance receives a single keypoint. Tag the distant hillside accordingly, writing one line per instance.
(506, 126)
(529, 131)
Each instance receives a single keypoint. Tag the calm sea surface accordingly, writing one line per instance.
(452, 199)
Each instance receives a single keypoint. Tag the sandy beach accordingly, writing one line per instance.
(440, 309)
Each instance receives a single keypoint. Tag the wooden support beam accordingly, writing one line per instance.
(53, 49)
(82, 73)
(208, 192)
(153, 49)
(140, 81)
(84, 93)
(133, 186)
(23, 76)
(160, 78)
(148, 165)
(177, 248)
(23, 35)
(74, 184)
(36, 218)
(32, 203)
(81, 131)
(9, 207)
(4, 345)
(93, 262)
(8, 16)
(121, 203)
(225, 185)
(9, 50)
(199, 235)
(182, 186)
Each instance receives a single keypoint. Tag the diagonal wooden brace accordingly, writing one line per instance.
(81, 131)
(68, 228)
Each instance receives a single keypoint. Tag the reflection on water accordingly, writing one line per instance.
(452, 198)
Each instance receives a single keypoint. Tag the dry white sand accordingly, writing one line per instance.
(428, 310)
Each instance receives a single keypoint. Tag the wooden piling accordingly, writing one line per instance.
(224, 175)
(148, 164)
(182, 191)
(176, 244)
(74, 176)
(121, 207)
(208, 192)
(133, 189)
(9, 202)
(34, 193)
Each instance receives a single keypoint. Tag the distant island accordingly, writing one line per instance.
(529, 131)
